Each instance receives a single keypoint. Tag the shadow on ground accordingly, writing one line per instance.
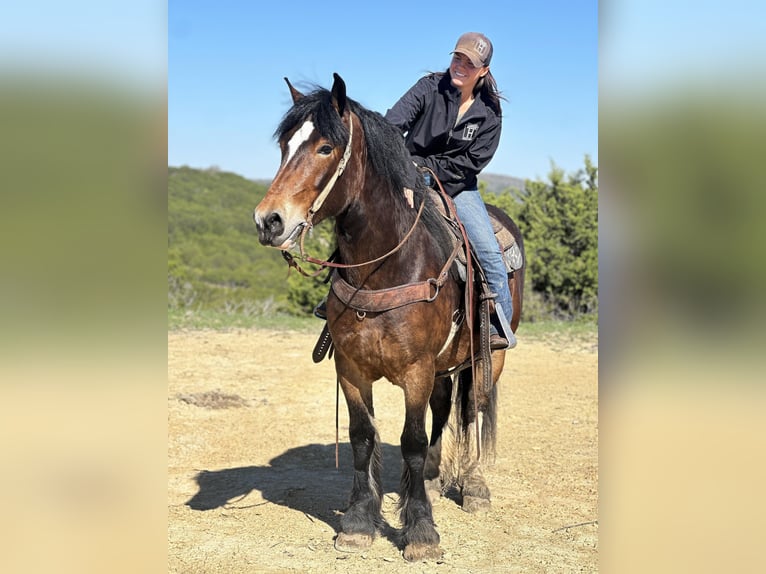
(302, 478)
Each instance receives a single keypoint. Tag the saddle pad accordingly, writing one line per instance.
(505, 239)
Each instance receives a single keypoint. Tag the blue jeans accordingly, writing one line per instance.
(473, 214)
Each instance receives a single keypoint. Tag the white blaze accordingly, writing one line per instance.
(298, 139)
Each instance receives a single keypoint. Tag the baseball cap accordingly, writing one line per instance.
(476, 46)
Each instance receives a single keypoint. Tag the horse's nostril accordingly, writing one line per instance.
(274, 223)
(269, 227)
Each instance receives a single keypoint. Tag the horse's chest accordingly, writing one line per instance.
(362, 340)
(386, 342)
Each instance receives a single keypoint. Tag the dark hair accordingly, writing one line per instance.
(486, 87)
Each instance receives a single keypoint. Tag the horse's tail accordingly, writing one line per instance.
(486, 411)
(459, 444)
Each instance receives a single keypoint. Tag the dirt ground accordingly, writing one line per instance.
(252, 484)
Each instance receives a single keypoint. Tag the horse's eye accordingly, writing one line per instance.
(325, 150)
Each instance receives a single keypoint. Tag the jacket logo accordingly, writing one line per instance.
(469, 131)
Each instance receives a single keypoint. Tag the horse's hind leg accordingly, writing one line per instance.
(473, 485)
(362, 518)
(440, 402)
(478, 440)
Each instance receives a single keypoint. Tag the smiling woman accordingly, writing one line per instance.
(452, 123)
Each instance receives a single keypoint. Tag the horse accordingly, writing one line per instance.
(340, 160)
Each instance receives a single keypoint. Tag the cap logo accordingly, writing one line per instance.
(476, 46)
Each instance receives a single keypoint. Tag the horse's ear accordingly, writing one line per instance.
(296, 95)
(339, 94)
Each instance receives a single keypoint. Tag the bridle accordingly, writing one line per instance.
(317, 204)
(330, 184)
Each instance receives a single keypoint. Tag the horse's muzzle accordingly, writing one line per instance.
(275, 231)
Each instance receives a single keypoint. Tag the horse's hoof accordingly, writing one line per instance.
(418, 552)
(352, 542)
(474, 504)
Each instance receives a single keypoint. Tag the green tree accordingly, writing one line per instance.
(303, 293)
(559, 219)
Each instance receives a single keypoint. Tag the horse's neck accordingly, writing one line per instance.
(370, 229)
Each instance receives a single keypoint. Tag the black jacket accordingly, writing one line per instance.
(426, 114)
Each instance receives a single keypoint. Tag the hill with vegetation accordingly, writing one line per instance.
(499, 184)
(214, 258)
(215, 261)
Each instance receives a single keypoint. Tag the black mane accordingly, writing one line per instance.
(385, 145)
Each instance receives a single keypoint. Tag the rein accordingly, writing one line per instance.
(323, 264)
(310, 259)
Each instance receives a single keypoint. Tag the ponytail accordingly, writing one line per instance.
(486, 88)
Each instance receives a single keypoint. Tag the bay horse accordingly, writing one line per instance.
(344, 161)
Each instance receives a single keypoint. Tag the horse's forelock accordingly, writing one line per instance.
(318, 106)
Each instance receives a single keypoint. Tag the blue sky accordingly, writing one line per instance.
(651, 47)
(115, 41)
(227, 61)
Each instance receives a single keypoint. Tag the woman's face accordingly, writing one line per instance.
(463, 73)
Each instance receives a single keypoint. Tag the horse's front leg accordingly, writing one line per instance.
(418, 535)
(361, 520)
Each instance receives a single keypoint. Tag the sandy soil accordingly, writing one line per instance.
(252, 484)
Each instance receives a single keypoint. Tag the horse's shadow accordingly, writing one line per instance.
(303, 478)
